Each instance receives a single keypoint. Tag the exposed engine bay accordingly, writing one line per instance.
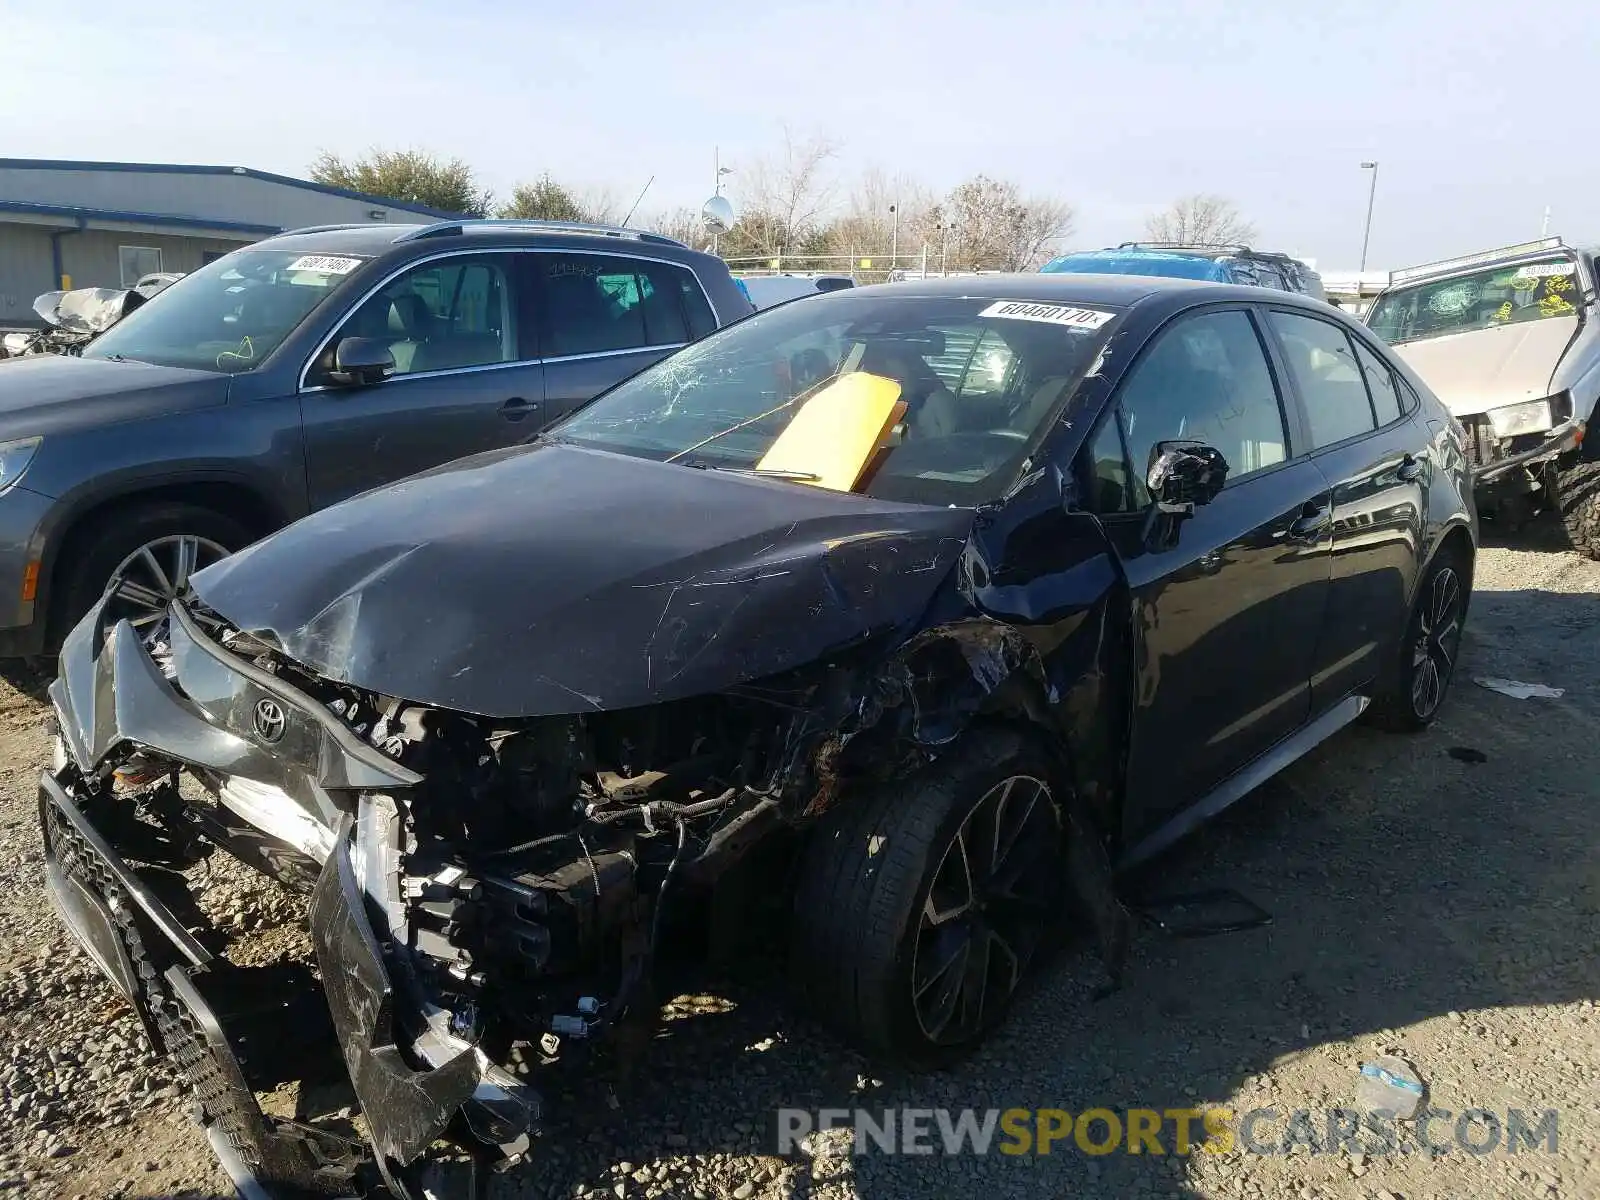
(498, 901)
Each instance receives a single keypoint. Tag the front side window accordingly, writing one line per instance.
(1114, 485)
(981, 381)
(1205, 379)
(596, 303)
(230, 314)
(440, 316)
(1324, 367)
(1486, 299)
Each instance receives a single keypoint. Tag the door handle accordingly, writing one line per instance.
(1311, 524)
(516, 408)
(1410, 469)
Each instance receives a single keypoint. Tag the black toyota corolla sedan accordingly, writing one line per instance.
(900, 622)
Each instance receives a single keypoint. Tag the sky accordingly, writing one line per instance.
(1478, 112)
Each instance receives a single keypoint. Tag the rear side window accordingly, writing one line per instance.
(595, 303)
(1380, 385)
(1323, 364)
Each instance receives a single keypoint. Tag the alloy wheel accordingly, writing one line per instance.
(1438, 638)
(155, 575)
(991, 900)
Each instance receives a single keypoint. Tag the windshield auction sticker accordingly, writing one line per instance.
(325, 264)
(1050, 314)
(1546, 270)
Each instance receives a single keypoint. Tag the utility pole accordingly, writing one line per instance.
(1372, 194)
(894, 238)
(944, 249)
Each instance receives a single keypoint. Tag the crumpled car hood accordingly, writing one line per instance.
(1481, 369)
(552, 579)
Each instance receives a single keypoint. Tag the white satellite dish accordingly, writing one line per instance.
(717, 214)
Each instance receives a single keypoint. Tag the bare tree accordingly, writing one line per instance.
(600, 204)
(883, 216)
(683, 224)
(990, 225)
(791, 194)
(1201, 220)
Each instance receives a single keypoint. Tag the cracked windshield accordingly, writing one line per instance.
(1508, 295)
(930, 401)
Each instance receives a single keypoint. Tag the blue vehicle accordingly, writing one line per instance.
(1216, 264)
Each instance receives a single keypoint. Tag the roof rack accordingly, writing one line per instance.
(492, 225)
(1232, 247)
(1445, 265)
(325, 228)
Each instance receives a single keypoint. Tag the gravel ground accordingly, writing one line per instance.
(1423, 904)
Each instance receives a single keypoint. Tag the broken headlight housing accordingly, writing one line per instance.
(1530, 416)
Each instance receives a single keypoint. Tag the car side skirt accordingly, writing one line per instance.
(1252, 776)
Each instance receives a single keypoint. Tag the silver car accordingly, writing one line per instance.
(1509, 339)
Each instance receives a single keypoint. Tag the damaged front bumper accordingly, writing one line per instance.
(1505, 466)
(227, 1028)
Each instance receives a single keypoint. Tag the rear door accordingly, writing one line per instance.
(604, 317)
(1376, 463)
(467, 376)
(1227, 618)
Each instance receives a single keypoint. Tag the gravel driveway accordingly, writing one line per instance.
(1424, 903)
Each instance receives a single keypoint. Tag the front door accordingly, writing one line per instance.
(467, 377)
(1226, 616)
(1375, 461)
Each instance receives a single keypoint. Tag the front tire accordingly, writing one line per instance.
(1429, 648)
(921, 905)
(145, 556)
(1578, 494)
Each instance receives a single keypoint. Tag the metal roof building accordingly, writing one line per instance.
(106, 224)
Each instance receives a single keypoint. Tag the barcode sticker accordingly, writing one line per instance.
(325, 264)
(1050, 314)
(1546, 270)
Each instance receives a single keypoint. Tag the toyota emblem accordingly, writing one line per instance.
(270, 720)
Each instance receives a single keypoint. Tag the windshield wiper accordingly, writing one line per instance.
(772, 473)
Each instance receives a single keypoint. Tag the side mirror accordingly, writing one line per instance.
(358, 361)
(1183, 474)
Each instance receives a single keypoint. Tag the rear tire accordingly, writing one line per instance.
(180, 538)
(1578, 493)
(921, 905)
(1429, 649)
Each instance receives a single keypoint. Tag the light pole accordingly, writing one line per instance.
(1366, 234)
(720, 170)
(894, 237)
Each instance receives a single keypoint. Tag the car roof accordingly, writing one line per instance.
(1117, 290)
(376, 239)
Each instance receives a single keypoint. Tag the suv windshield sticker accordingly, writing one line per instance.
(1051, 314)
(325, 264)
(1546, 270)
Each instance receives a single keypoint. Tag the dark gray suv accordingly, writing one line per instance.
(303, 370)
